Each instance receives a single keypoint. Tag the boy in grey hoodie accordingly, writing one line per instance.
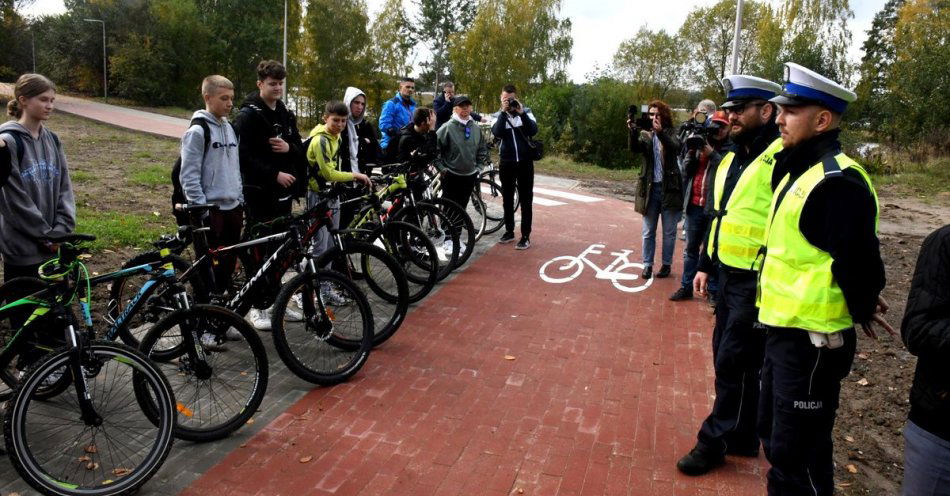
(38, 197)
(213, 175)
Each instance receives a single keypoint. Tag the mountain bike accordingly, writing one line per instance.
(89, 435)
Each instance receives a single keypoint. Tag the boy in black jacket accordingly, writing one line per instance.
(272, 154)
(926, 332)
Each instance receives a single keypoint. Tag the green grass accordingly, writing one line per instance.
(115, 230)
(926, 180)
(150, 175)
(81, 176)
(561, 166)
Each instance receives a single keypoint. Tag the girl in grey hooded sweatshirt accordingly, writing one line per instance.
(38, 197)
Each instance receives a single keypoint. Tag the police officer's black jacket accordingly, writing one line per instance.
(255, 124)
(926, 332)
(839, 218)
(747, 147)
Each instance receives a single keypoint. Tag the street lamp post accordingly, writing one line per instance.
(735, 40)
(33, 47)
(105, 74)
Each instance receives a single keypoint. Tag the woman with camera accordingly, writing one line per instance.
(660, 186)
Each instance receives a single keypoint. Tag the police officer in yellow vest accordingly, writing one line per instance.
(821, 273)
(741, 196)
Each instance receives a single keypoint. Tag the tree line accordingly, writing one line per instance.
(160, 49)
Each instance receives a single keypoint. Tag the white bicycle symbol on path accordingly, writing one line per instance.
(624, 274)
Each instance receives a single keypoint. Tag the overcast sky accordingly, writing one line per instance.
(600, 26)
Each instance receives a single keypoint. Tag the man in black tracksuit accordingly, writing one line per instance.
(514, 125)
(926, 332)
(272, 154)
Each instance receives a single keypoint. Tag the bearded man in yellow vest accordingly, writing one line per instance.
(821, 273)
(741, 194)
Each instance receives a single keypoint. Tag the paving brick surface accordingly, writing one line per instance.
(502, 383)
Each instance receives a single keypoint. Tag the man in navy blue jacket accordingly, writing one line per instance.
(443, 105)
(514, 125)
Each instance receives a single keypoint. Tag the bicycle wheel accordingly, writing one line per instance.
(379, 277)
(495, 177)
(415, 253)
(461, 223)
(216, 394)
(10, 322)
(57, 453)
(490, 194)
(334, 339)
(476, 211)
(125, 292)
(436, 225)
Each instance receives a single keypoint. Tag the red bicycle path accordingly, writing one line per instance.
(502, 383)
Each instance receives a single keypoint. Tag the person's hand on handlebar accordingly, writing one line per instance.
(362, 178)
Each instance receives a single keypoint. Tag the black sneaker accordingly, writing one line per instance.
(699, 462)
(523, 244)
(664, 272)
(508, 237)
(647, 272)
(683, 293)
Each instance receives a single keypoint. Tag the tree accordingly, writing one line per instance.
(392, 43)
(335, 46)
(436, 24)
(707, 36)
(15, 58)
(652, 61)
(490, 55)
(874, 105)
(919, 80)
(816, 35)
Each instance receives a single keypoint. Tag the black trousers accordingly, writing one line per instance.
(800, 388)
(518, 175)
(225, 230)
(738, 346)
(10, 271)
(458, 188)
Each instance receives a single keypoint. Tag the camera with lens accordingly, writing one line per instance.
(514, 104)
(643, 122)
(696, 131)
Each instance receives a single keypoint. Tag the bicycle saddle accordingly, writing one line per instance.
(199, 207)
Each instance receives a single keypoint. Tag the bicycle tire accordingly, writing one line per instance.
(119, 478)
(490, 194)
(430, 219)
(340, 353)
(381, 279)
(239, 362)
(495, 177)
(461, 222)
(124, 290)
(415, 253)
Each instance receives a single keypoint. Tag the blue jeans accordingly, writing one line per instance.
(650, 219)
(696, 223)
(926, 463)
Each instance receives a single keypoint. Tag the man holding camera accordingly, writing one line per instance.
(705, 147)
(741, 195)
(514, 126)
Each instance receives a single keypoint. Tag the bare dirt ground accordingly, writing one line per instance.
(874, 398)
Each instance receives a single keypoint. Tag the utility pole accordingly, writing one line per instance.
(105, 74)
(33, 46)
(735, 40)
(286, 88)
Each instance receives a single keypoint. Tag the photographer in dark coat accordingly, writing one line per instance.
(926, 332)
(660, 186)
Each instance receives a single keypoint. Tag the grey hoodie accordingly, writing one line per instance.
(214, 177)
(351, 123)
(38, 197)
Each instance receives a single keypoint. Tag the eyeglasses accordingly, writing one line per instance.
(738, 109)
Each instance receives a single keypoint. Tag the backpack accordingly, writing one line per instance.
(178, 193)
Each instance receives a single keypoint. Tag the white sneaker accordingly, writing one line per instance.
(332, 297)
(291, 315)
(448, 246)
(210, 342)
(233, 334)
(260, 319)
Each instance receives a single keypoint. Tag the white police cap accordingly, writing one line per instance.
(804, 86)
(740, 88)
